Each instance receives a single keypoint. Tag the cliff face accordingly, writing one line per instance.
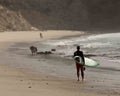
(11, 20)
(59, 14)
(104, 14)
(50, 14)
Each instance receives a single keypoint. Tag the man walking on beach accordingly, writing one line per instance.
(80, 65)
(41, 36)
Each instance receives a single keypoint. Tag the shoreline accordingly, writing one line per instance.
(19, 82)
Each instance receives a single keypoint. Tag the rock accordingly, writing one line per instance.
(29, 87)
(53, 49)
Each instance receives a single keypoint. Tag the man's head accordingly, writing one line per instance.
(78, 47)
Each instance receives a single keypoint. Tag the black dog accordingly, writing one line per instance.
(33, 50)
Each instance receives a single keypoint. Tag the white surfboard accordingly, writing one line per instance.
(88, 62)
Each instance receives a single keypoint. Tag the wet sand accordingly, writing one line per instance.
(17, 81)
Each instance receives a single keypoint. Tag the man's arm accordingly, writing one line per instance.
(74, 54)
(83, 58)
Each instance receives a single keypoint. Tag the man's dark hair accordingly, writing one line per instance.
(78, 47)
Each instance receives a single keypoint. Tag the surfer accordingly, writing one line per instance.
(78, 65)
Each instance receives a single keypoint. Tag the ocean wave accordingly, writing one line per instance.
(97, 45)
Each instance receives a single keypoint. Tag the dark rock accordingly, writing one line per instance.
(53, 49)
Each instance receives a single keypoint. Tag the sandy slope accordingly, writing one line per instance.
(19, 82)
(34, 35)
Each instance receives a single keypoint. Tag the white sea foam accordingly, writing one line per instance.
(97, 45)
(58, 42)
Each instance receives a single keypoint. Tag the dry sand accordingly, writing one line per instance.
(19, 82)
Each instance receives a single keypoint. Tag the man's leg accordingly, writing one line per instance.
(82, 73)
(77, 67)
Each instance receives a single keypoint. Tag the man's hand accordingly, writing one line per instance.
(84, 66)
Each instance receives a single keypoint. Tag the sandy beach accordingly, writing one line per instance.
(23, 82)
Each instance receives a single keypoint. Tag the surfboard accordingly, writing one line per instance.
(88, 62)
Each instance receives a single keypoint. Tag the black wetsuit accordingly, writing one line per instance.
(79, 53)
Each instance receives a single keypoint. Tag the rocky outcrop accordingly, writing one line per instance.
(59, 14)
(11, 20)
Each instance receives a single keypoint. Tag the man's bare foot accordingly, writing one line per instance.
(82, 80)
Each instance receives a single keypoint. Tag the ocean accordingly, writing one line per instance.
(101, 47)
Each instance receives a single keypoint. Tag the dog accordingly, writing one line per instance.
(33, 50)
